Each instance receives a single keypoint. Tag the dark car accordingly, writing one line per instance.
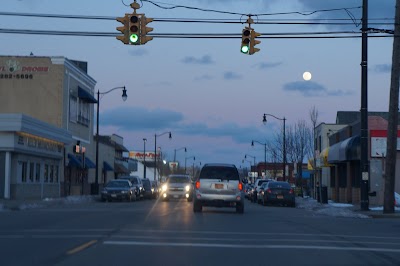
(278, 193)
(147, 189)
(137, 183)
(118, 190)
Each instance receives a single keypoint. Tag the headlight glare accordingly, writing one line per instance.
(164, 187)
(187, 188)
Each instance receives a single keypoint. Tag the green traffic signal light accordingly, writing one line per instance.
(245, 49)
(133, 38)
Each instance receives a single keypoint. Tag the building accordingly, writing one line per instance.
(54, 96)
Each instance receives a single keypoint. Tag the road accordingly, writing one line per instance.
(169, 233)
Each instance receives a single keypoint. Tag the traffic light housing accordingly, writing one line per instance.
(246, 34)
(254, 42)
(134, 29)
(124, 29)
(144, 29)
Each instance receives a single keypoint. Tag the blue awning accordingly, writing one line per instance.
(88, 163)
(346, 150)
(353, 152)
(74, 161)
(83, 94)
(107, 167)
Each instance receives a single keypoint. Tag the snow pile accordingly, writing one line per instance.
(78, 199)
(330, 209)
(396, 199)
(26, 206)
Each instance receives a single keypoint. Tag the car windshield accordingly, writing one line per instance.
(178, 179)
(146, 183)
(117, 184)
(132, 179)
(219, 172)
(279, 185)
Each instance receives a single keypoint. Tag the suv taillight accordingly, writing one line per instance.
(197, 184)
(240, 186)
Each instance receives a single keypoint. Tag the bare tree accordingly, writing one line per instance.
(391, 153)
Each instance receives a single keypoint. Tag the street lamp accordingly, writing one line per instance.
(144, 157)
(179, 150)
(124, 97)
(190, 157)
(155, 149)
(265, 154)
(284, 140)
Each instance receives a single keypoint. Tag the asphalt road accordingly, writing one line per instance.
(169, 233)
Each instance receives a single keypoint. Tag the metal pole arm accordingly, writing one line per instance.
(113, 89)
(275, 117)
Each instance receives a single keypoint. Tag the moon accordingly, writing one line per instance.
(307, 75)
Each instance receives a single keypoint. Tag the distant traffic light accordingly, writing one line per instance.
(134, 29)
(124, 29)
(254, 42)
(144, 29)
(245, 47)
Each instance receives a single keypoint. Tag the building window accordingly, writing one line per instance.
(56, 173)
(37, 172)
(84, 111)
(31, 172)
(23, 170)
(73, 109)
(46, 173)
(51, 173)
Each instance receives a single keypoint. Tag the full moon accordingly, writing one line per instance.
(307, 75)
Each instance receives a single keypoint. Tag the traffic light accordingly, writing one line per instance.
(124, 29)
(144, 29)
(134, 29)
(254, 42)
(245, 47)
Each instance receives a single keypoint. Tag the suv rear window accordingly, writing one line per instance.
(219, 172)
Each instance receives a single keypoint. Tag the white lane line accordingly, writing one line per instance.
(208, 245)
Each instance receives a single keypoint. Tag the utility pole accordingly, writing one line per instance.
(364, 164)
(391, 152)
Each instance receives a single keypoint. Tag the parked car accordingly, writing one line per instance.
(278, 193)
(177, 186)
(137, 183)
(247, 190)
(218, 185)
(147, 189)
(118, 190)
(257, 186)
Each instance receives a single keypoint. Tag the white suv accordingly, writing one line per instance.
(218, 185)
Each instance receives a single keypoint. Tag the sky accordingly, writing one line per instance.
(209, 95)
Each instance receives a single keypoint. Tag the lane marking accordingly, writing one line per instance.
(208, 245)
(81, 247)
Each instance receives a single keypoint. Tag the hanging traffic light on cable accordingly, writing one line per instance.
(134, 29)
(245, 47)
(254, 42)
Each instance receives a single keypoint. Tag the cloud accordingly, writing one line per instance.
(382, 68)
(204, 77)
(313, 89)
(137, 118)
(229, 75)
(267, 65)
(204, 60)
(156, 84)
(138, 52)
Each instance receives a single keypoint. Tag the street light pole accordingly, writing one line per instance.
(265, 154)
(178, 150)
(155, 150)
(284, 140)
(254, 158)
(124, 97)
(191, 157)
(144, 157)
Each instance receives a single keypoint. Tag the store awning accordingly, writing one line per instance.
(107, 167)
(346, 150)
(333, 154)
(353, 152)
(88, 163)
(120, 168)
(74, 161)
(83, 94)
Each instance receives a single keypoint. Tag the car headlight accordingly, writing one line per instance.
(164, 187)
(187, 188)
(152, 189)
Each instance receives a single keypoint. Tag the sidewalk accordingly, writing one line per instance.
(16, 205)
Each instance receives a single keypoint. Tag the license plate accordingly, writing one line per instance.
(219, 186)
(113, 195)
(279, 197)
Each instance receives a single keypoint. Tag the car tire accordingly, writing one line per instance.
(197, 206)
(239, 208)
